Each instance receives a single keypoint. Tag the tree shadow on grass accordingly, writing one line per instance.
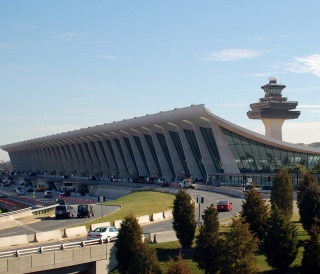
(164, 254)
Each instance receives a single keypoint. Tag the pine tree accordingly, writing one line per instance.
(282, 193)
(316, 168)
(184, 222)
(206, 242)
(308, 201)
(132, 254)
(311, 255)
(280, 241)
(255, 212)
(178, 267)
(237, 251)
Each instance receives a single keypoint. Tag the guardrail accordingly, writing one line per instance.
(43, 249)
(15, 212)
(35, 211)
(41, 210)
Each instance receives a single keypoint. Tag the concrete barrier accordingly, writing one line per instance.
(117, 223)
(167, 214)
(14, 240)
(94, 226)
(157, 216)
(162, 237)
(5, 219)
(47, 236)
(75, 231)
(143, 219)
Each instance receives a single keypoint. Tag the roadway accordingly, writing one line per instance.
(50, 223)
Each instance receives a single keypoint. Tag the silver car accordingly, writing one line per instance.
(105, 233)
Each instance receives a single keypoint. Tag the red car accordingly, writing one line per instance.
(224, 206)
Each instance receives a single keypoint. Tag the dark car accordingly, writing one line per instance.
(165, 184)
(64, 211)
(85, 211)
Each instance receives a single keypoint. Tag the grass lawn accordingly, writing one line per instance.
(139, 203)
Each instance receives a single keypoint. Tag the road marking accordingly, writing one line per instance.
(27, 227)
(7, 233)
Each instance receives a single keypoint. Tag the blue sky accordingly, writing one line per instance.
(66, 65)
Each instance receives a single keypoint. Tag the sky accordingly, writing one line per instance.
(67, 65)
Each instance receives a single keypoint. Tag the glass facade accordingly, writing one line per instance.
(192, 140)
(255, 157)
(153, 152)
(165, 149)
(143, 156)
(178, 145)
(212, 147)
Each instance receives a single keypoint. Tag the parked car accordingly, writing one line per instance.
(16, 189)
(165, 183)
(48, 194)
(224, 206)
(105, 233)
(85, 211)
(6, 184)
(64, 211)
(187, 184)
(160, 181)
(60, 201)
(21, 192)
(29, 189)
(41, 188)
(62, 193)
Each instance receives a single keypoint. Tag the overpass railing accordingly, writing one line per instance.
(43, 249)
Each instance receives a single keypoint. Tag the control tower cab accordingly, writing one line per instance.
(273, 109)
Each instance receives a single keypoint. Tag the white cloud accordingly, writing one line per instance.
(233, 55)
(309, 64)
(294, 132)
(304, 132)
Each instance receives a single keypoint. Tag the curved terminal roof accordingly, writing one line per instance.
(164, 119)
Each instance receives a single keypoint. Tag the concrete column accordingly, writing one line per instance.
(273, 128)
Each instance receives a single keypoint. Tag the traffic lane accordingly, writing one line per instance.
(209, 198)
(51, 223)
(213, 198)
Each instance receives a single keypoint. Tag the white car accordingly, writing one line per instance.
(21, 192)
(48, 194)
(106, 233)
(161, 181)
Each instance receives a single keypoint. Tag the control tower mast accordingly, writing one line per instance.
(273, 109)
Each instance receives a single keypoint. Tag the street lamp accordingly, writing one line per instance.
(243, 180)
(297, 173)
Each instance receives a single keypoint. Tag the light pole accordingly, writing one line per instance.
(297, 173)
(243, 180)
(200, 200)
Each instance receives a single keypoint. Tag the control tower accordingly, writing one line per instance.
(273, 109)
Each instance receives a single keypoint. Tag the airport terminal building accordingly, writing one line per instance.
(184, 142)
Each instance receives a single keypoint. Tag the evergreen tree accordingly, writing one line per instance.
(206, 242)
(132, 254)
(282, 193)
(311, 255)
(184, 222)
(178, 267)
(308, 201)
(255, 212)
(237, 252)
(316, 168)
(280, 241)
